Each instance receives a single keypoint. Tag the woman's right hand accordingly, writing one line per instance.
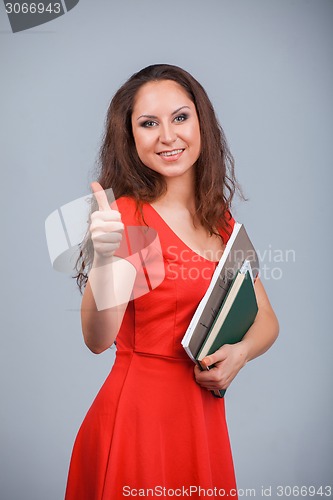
(111, 278)
(106, 227)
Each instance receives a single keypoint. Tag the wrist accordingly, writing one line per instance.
(100, 261)
(245, 350)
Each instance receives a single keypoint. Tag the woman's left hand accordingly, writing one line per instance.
(228, 360)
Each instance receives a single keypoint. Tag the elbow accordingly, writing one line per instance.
(275, 327)
(98, 337)
(95, 345)
(95, 349)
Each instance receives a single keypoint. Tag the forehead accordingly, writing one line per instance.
(162, 94)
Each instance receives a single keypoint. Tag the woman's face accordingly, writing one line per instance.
(166, 128)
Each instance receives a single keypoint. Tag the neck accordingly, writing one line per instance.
(180, 193)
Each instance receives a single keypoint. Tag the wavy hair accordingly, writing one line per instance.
(121, 169)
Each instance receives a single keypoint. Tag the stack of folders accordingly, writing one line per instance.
(236, 315)
(228, 308)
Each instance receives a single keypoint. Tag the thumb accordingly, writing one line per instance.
(101, 197)
(217, 356)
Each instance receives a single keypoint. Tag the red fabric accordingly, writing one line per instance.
(151, 425)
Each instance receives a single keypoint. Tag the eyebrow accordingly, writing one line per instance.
(153, 117)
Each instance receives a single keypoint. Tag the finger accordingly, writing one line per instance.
(106, 227)
(106, 250)
(107, 238)
(112, 215)
(100, 196)
(219, 355)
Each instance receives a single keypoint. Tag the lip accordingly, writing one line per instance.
(173, 157)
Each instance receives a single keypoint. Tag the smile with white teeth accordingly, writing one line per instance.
(171, 153)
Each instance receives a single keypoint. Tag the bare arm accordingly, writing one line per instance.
(264, 330)
(229, 359)
(110, 281)
(104, 302)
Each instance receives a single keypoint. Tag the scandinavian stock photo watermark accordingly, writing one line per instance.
(271, 262)
(140, 255)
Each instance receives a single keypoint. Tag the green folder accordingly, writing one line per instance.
(236, 315)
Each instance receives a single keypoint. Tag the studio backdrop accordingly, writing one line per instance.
(267, 67)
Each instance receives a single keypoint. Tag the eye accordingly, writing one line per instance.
(181, 118)
(148, 124)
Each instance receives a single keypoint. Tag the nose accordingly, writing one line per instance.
(167, 133)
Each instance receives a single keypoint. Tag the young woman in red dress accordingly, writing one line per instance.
(154, 428)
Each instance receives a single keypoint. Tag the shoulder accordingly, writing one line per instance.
(230, 222)
(228, 226)
(128, 208)
(124, 203)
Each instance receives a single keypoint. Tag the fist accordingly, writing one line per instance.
(106, 227)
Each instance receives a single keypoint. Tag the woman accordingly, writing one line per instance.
(154, 423)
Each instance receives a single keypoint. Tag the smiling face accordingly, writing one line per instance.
(166, 128)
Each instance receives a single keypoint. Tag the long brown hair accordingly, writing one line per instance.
(121, 169)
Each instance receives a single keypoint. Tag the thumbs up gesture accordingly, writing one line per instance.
(106, 227)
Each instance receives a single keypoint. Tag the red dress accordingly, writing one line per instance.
(152, 430)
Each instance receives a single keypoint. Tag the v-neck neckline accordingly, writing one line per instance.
(179, 238)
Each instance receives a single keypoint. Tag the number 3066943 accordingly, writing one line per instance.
(33, 8)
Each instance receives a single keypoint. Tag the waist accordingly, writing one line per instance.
(177, 356)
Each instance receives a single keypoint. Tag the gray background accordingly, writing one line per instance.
(267, 67)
